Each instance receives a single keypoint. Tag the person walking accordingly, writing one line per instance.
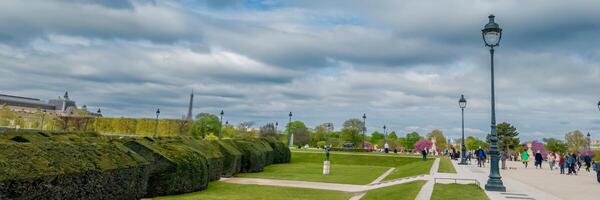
(538, 159)
(557, 158)
(588, 162)
(525, 158)
(503, 156)
(424, 153)
(551, 158)
(480, 153)
(561, 163)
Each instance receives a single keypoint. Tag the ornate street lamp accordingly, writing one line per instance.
(221, 129)
(291, 140)
(492, 33)
(385, 134)
(156, 123)
(598, 105)
(276, 127)
(462, 103)
(364, 128)
(589, 139)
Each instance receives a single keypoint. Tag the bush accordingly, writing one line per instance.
(254, 156)
(55, 170)
(233, 157)
(175, 168)
(281, 152)
(212, 154)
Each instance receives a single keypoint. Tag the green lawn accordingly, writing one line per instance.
(345, 168)
(446, 165)
(408, 191)
(349, 174)
(458, 191)
(411, 169)
(229, 191)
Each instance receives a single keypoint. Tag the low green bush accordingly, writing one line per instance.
(254, 156)
(281, 152)
(58, 170)
(233, 157)
(175, 167)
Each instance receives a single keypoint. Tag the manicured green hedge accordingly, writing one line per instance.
(143, 126)
(175, 167)
(87, 165)
(59, 170)
(281, 152)
(233, 157)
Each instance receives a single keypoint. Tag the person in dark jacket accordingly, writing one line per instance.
(588, 162)
(538, 159)
(480, 153)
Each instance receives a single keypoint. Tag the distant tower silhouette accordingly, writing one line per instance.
(189, 115)
(66, 95)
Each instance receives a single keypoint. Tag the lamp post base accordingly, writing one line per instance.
(495, 185)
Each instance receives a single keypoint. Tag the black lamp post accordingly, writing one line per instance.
(589, 139)
(156, 124)
(276, 127)
(291, 139)
(462, 103)
(364, 128)
(492, 33)
(385, 134)
(221, 129)
(43, 116)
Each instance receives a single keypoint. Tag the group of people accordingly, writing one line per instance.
(570, 161)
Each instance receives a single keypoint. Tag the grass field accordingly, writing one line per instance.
(446, 165)
(345, 168)
(228, 191)
(406, 191)
(458, 191)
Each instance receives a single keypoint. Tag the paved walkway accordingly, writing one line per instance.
(534, 183)
(427, 189)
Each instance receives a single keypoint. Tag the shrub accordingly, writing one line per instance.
(281, 152)
(56, 170)
(254, 157)
(175, 168)
(233, 157)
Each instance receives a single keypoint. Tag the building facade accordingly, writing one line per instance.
(60, 106)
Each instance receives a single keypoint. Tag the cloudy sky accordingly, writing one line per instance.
(404, 63)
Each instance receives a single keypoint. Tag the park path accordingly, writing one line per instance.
(427, 189)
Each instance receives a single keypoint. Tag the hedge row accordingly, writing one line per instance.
(40, 165)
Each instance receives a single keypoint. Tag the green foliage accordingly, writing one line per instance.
(392, 136)
(376, 136)
(473, 143)
(458, 191)
(233, 157)
(575, 140)
(206, 124)
(281, 152)
(321, 144)
(70, 170)
(440, 140)
(142, 126)
(405, 191)
(408, 142)
(556, 145)
(507, 136)
(300, 132)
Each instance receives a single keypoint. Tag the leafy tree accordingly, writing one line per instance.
(409, 140)
(575, 140)
(440, 140)
(392, 136)
(205, 124)
(352, 131)
(299, 131)
(320, 134)
(507, 136)
(556, 145)
(376, 136)
(423, 144)
(268, 130)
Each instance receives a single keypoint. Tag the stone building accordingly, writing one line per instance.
(60, 106)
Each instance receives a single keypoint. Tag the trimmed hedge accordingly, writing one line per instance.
(281, 152)
(233, 157)
(175, 168)
(55, 170)
(86, 165)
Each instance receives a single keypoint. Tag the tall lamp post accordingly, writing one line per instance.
(589, 139)
(276, 127)
(492, 33)
(364, 128)
(291, 140)
(462, 103)
(221, 129)
(385, 134)
(156, 123)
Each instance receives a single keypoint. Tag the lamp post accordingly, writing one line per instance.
(43, 116)
(221, 129)
(156, 123)
(462, 103)
(291, 140)
(589, 139)
(276, 127)
(364, 128)
(492, 33)
(385, 134)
